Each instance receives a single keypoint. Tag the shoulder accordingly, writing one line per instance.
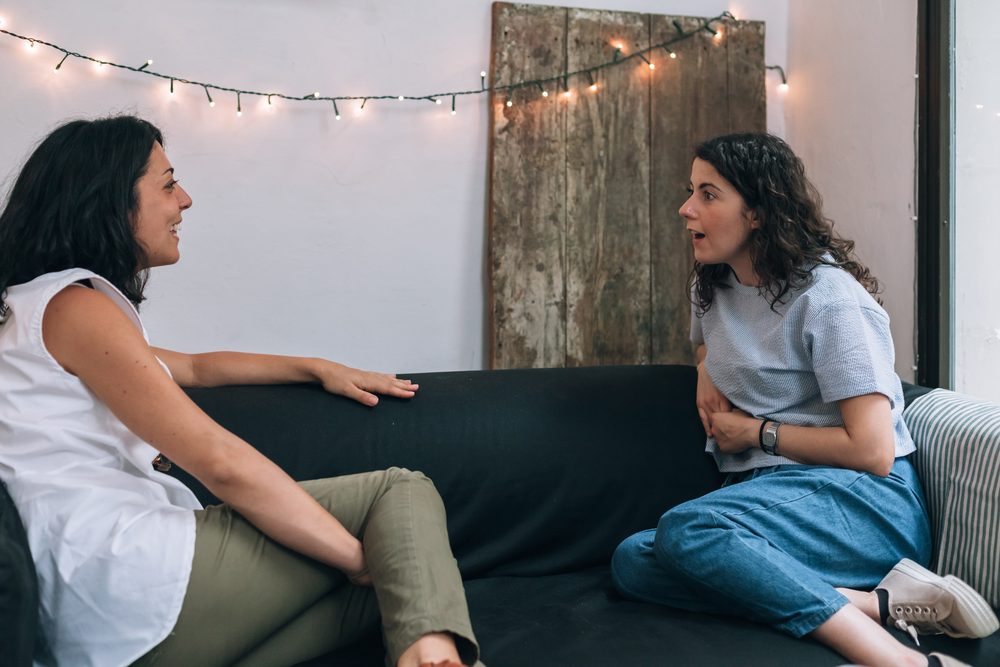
(831, 288)
(79, 319)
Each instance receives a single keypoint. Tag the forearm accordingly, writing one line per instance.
(829, 446)
(700, 353)
(269, 499)
(214, 369)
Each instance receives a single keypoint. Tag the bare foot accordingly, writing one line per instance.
(430, 649)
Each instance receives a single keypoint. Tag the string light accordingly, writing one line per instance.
(453, 112)
(336, 111)
(239, 107)
(560, 79)
(783, 86)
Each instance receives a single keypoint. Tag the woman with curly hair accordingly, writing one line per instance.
(131, 568)
(803, 412)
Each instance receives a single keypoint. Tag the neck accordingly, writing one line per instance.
(743, 270)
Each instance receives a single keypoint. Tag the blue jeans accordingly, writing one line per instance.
(773, 543)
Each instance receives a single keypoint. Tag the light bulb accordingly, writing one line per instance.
(567, 93)
(453, 112)
(483, 73)
(783, 87)
(400, 98)
(510, 103)
(652, 66)
(437, 101)
(239, 114)
(673, 55)
(211, 104)
(545, 93)
(593, 87)
(619, 46)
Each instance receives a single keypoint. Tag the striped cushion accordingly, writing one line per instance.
(958, 460)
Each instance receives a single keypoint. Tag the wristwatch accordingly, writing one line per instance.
(769, 438)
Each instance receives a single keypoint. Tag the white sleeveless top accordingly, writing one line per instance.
(112, 539)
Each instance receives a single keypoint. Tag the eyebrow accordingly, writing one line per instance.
(706, 184)
(168, 171)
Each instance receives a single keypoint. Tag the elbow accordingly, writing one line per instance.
(221, 470)
(882, 459)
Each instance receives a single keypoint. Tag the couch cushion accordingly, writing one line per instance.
(18, 587)
(958, 460)
(576, 620)
(542, 471)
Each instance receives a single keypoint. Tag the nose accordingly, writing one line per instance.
(687, 208)
(185, 199)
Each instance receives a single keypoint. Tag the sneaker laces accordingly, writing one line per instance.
(911, 618)
(908, 629)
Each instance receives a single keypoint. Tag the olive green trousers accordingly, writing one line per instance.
(254, 603)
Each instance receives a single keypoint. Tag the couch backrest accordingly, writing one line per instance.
(958, 460)
(541, 471)
(18, 588)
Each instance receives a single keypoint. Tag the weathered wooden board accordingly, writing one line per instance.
(607, 194)
(589, 257)
(527, 192)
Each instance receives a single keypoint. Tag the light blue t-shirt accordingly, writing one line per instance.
(829, 340)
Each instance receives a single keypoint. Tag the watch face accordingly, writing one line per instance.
(770, 437)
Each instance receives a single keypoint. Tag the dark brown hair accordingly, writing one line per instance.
(74, 203)
(793, 235)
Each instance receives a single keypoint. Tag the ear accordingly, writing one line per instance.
(752, 219)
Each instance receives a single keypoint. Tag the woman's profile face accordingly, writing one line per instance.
(718, 220)
(161, 201)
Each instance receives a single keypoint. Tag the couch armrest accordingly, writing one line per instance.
(541, 470)
(958, 461)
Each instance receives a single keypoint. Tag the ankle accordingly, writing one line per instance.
(432, 648)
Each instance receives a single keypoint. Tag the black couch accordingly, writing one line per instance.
(543, 473)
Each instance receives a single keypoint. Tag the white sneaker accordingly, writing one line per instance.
(921, 601)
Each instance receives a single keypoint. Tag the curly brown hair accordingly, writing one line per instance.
(793, 236)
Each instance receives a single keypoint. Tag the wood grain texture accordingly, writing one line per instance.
(607, 194)
(589, 257)
(527, 214)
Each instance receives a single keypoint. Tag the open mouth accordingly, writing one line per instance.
(697, 235)
(174, 227)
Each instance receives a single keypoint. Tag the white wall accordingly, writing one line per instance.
(362, 240)
(850, 111)
(977, 175)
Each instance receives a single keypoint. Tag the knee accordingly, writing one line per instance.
(680, 534)
(629, 562)
(404, 475)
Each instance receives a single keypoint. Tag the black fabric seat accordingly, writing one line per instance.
(543, 473)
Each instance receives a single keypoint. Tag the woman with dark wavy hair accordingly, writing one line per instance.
(803, 412)
(131, 568)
